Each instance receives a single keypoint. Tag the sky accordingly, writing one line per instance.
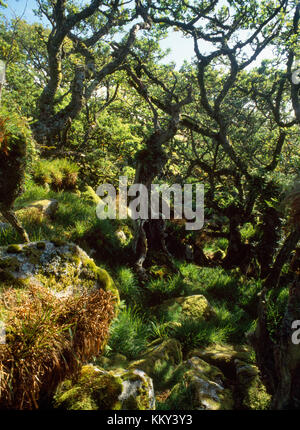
(181, 48)
(18, 7)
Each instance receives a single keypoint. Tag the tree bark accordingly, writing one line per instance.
(150, 163)
(10, 216)
(278, 358)
(269, 240)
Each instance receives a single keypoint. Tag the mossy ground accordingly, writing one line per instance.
(232, 296)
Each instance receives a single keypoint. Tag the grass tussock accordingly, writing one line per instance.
(58, 174)
(47, 339)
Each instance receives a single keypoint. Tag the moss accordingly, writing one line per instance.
(14, 249)
(94, 390)
(159, 360)
(102, 390)
(73, 259)
(178, 398)
(33, 254)
(102, 277)
(139, 400)
(223, 356)
(257, 397)
(41, 245)
(74, 399)
(69, 278)
(207, 370)
(194, 307)
(198, 385)
(11, 263)
(250, 389)
(59, 242)
(114, 361)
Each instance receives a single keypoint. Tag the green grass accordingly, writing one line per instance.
(128, 285)
(74, 217)
(128, 333)
(217, 283)
(233, 297)
(163, 289)
(276, 306)
(58, 174)
(74, 221)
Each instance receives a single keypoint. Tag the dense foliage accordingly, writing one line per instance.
(96, 99)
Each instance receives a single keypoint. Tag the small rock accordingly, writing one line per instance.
(160, 358)
(202, 387)
(45, 207)
(98, 389)
(194, 307)
(121, 236)
(251, 391)
(223, 356)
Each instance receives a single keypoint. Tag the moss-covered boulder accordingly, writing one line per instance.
(46, 207)
(114, 361)
(250, 390)
(159, 360)
(194, 307)
(56, 306)
(236, 362)
(224, 356)
(98, 389)
(200, 386)
(61, 267)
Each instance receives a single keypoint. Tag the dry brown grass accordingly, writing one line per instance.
(70, 180)
(47, 339)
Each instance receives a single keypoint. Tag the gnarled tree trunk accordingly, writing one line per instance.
(277, 357)
(12, 170)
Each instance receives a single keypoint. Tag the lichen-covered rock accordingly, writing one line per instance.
(97, 389)
(114, 361)
(223, 356)
(121, 236)
(201, 386)
(56, 305)
(124, 235)
(194, 307)
(237, 364)
(159, 360)
(251, 392)
(43, 207)
(61, 267)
